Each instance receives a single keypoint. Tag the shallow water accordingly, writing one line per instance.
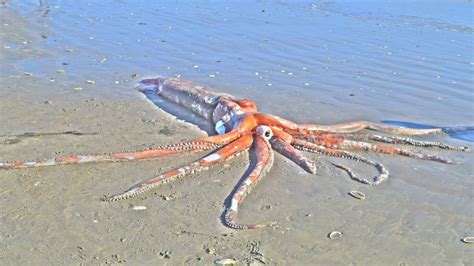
(320, 62)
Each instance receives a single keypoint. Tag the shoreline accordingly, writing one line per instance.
(53, 215)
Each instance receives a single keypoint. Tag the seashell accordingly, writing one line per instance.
(335, 235)
(90, 81)
(225, 262)
(468, 240)
(357, 194)
(139, 208)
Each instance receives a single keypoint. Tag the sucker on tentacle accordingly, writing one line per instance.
(248, 128)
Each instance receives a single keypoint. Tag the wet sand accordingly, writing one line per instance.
(309, 62)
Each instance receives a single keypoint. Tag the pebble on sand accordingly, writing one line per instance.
(225, 262)
(468, 240)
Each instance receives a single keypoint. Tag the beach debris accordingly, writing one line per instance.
(115, 258)
(44, 36)
(267, 208)
(166, 254)
(139, 208)
(269, 84)
(225, 262)
(90, 81)
(69, 50)
(164, 197)
(211, 251)
(28, 74)
(468, 240)
(357, 194)
(78, 88)
(335, 235)
(211, 75)
(60, 71)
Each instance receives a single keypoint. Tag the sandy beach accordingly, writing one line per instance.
(67, 77)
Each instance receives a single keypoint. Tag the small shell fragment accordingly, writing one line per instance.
(225, 262)
(89, 81)
(357, 194)
(335, 235)
(139, 208)
(27, 73)
(468, 240)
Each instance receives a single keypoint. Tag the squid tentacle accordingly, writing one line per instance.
(324, 136)
(196, 145)
(355, 126)
(365, 146)
(265, 157)
(418, 143)
(229, 151)
(293, 154)
(190, 146)
(354, 141)
(311, 147)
